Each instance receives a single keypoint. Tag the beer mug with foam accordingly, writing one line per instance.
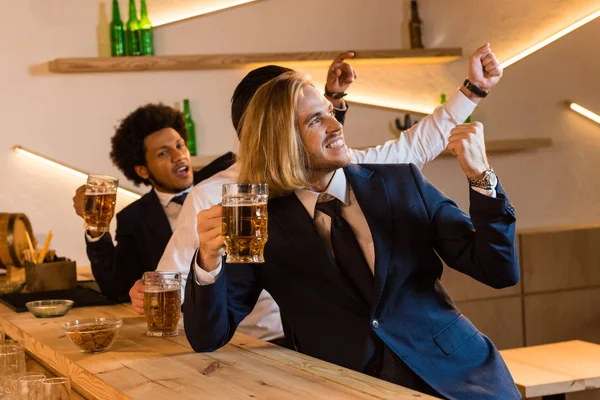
(162, 302)
(100, 199)
(245, 221)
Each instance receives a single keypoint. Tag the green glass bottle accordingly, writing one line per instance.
(191, 128)
(442, 98)
(133, 31)
(117, 32)
(146, 36)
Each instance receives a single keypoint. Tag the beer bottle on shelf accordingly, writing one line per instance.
(416, 40)
(117, 32)
(191, 128)
(133, 31)
(146, 36)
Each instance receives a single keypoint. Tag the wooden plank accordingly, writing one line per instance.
(501, 319)
(564, 315)
(560, 260)
(141, 367)
(511, 145)
(248, 60)
(554, 368)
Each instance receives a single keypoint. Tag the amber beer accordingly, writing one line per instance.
(245, 222)
(162, 302)
(100, 199)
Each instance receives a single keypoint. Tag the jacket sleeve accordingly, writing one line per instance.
(116, 268)
(212, 312)
(482, 246)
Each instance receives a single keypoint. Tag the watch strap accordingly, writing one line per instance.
(476, 90)
(488, 182)
(334, 95)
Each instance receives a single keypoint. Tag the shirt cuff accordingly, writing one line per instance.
(490, 193)
(345, 106)
(204, 278)
(459, 107)
(92, 239)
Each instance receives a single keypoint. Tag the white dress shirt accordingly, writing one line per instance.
(418, 145)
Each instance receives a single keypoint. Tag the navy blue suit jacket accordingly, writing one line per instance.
(142, 234)
(410, 222)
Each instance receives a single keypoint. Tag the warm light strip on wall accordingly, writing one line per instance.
(194, 10)
(585, 112)
(551, 39)
(65, 168)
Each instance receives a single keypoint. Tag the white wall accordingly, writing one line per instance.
(71, 117)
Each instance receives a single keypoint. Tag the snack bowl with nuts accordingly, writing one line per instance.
(93, 335)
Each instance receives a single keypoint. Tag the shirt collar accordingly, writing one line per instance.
(165, 198)
(338, 188)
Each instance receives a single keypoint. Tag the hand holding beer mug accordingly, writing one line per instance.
(100, 199)
(162, 302)
(245, 221)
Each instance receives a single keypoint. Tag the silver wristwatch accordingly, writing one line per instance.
(488, 182)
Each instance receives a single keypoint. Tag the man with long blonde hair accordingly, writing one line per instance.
(353, 252)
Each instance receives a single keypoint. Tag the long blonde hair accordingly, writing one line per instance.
(271, 150)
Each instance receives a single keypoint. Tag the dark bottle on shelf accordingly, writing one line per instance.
(191, 128)
(117, 32)
(133, 31)
(416, 40)
(146, 35)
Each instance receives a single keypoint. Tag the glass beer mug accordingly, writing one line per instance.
(162, 302)
(245, 221)
(100, 199)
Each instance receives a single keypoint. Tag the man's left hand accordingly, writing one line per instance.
(340, 75)
(484, 68)
(467, 144)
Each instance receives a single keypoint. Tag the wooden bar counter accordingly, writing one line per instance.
(141, 367)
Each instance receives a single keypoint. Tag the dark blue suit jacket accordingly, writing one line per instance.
(142, 234)
(410, 222)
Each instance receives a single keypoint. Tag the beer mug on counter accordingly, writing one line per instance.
(245, 221)
(100, 199)
(162, 302)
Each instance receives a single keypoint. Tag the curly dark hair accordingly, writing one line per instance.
(128, 142)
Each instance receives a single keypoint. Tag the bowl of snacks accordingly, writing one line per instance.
(93, 335)
(49, 308)
(11, 287)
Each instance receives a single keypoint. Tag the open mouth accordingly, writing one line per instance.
(182, 171)
(339, 142)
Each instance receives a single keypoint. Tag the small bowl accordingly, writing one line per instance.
(11, 287)
(49, 308)
(93, 335)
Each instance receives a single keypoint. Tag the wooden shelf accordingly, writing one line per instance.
(492, 146)
(511, 145)
(223, 61)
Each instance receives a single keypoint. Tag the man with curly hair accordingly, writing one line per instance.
(149, 147)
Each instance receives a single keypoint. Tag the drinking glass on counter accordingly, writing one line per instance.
(100, 199)
(56, 389)
(162, 302)
(245, 221)
(12, 360)
(29, 386)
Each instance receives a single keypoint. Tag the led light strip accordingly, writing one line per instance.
(585, 112)
(65, 168)
(195, 11)
(551, 39)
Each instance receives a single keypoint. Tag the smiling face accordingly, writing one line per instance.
(168, 162)
(322, 134)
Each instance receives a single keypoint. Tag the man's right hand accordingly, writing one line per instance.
(79, 200)
(136, 294)
(211, 238)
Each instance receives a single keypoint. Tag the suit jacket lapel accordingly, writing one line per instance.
(289, 213)
(157, 220)
(372, 196)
